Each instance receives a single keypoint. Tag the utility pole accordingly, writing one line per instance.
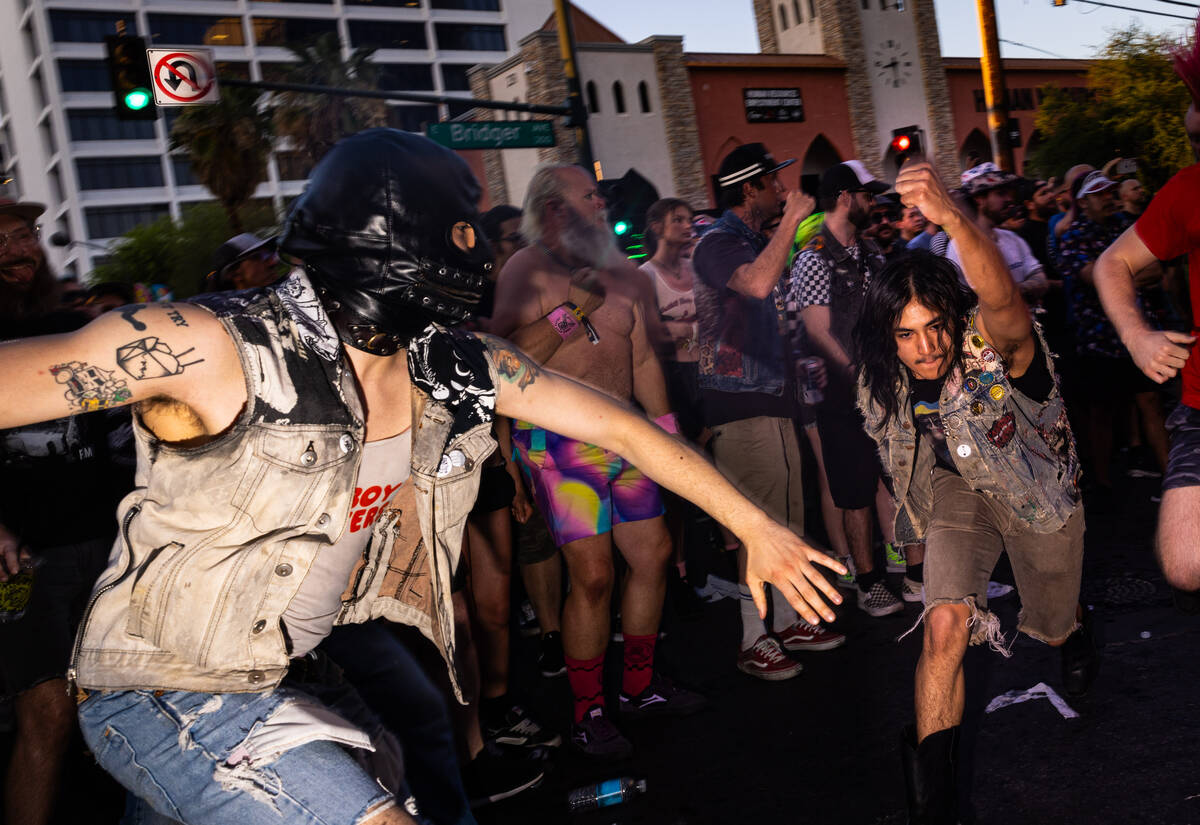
(994, 90)
(579, 113)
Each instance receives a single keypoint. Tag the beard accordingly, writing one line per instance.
(37, 296)
(859, 217)
(587, 242)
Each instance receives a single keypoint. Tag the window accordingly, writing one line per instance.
(412, 118)
(459, 108)
(119, 173)
(643, 96)
(102, 124)
(406, 76)
(812, 9)
(796, 12)
(455, 77)
(84, 76)
(293, 166)
(593, 99)
(238, 70)
(111, 221)
(196, 30)
(281, 31)
(387, 35)
(184, 176)
(470, 37)
(87, 26)
(619, 97)
(467, 5)
(275, 72)
(415, 4)
(782, 17)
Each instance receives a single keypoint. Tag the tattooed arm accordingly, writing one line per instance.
(555, 402)
(177, 356)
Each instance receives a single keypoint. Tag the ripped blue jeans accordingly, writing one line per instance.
(209, 759)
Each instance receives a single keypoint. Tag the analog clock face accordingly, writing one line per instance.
(892, 63)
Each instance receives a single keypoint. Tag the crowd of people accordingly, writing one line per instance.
(340, 453)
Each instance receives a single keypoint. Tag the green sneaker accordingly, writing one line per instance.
(895, 557)
(847, 581)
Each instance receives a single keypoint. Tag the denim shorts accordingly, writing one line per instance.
(967, 532)
(194, 757)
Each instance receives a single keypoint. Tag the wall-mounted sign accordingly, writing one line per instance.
(773, 105)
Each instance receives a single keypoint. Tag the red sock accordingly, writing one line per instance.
(639, 663)
(586, 677)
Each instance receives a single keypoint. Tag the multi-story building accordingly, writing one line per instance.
(61, 144)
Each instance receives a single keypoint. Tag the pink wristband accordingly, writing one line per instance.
(563, 320)
(669, 423)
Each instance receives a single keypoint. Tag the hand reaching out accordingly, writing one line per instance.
(778, 556)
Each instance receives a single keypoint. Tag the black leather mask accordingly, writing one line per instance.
(373, 228)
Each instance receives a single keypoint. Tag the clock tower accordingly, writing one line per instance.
(894, 72)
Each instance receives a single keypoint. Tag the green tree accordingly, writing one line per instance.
(1134, 108)
(179, 254)
(314, 123)
(228, 144)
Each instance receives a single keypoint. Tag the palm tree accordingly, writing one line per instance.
(228, 144)
(314, 123)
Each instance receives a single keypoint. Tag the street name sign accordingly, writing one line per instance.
(183, 78)
(492, 134)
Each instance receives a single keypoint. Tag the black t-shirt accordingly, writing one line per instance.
(925, 396)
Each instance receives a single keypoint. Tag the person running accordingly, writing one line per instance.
(970, 425)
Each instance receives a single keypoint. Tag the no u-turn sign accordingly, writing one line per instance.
(183, 78)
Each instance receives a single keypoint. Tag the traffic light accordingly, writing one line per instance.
(1059, 2)
(131, 80)
(628, 197)
(906, 142)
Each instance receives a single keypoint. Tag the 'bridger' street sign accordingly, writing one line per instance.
(492, 134)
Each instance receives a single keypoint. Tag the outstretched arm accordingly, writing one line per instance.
(1159, 354)
(555, 402)
(1003, 316)
(176, 352)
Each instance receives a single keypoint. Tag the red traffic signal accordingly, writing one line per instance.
(901, 143)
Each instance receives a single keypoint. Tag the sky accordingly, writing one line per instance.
(1074, 30)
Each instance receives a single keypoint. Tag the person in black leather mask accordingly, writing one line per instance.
(387, 230)
(288, 483)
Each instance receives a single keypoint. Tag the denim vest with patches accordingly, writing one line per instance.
(215, 540)
(1004, 444)
(741, 343)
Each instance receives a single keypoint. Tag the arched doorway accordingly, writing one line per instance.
(820, 156)
(976, 149)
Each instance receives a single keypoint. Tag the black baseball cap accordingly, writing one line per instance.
(27, 211)
(850, 176)
(746, 162)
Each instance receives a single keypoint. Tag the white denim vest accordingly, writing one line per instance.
(215, 540)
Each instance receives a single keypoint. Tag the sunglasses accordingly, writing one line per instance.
(880, 217)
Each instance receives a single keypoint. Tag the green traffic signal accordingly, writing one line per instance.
(137, 99)
(621, 227)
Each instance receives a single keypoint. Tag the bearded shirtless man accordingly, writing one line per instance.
(576, 305)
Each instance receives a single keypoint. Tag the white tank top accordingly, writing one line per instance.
(384, 470)
(677, 305)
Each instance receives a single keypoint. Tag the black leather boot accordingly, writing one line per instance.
(1080, 659)
(930, 774)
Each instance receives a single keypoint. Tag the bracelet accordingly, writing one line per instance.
(668, 422)
(564, 320)
(578, 312)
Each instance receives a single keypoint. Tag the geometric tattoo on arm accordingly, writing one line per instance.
(513, 365)
(90, 388)
(152, 358)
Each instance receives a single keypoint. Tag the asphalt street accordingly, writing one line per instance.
(824, 747)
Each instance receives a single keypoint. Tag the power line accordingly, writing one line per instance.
(1034, 48)
(1180, 3)
(1139, 11)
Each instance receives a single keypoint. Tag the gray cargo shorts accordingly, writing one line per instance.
(967, 532)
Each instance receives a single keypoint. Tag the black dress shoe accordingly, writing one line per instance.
(1080, 659)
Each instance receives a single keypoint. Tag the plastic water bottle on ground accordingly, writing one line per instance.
(605, 794)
